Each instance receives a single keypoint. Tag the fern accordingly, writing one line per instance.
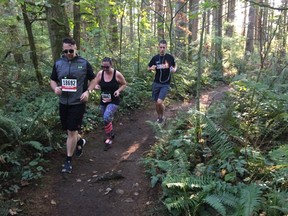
(9, 131)
(36, 145)
(219, 139)
(183, 205)
(184, 193)
(277, 203)
(216, 203)
(250, 199)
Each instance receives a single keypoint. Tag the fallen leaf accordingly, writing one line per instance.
(108, 190)
(13, 211)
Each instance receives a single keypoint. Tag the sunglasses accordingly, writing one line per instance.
(70, 51)
(105, 67)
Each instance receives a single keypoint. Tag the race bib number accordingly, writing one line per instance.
(163, 66)
(69, 85)
(106, 95)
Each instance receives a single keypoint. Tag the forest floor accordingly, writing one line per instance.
(106, 183)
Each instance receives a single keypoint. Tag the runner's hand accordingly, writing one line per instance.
(116, 93)
(58, 90)
(85, 96)
(97, 87)
(153, 67)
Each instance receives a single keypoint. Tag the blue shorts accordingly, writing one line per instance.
(159, 91)
(71, 116)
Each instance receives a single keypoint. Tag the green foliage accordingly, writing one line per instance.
(279, 171)
(257, 114)
(26, 136)
(215, 202)
(213, 176)
(8, 207)
(92, 118)
(136, 94)
(250, 199)
(9, 131)
(183, 82)
(277, 203)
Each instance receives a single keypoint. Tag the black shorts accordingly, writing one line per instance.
(71, 116)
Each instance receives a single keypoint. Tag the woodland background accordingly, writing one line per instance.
(227, 159)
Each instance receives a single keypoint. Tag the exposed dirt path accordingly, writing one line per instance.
(125, 189)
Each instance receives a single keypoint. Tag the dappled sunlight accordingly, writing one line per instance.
(132, 149)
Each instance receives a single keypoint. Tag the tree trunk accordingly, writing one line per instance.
(131, 23)
(113, 29)
(284, 28)
(121, 36)
(218, 68)
(139, 36)
(77, 21)
(249, 48)
(230, 18)
(199, 75)
(33, 54)
(193, 20)
(193, 25)
(199, 61)
(58, 26)
(160, 19)
(181, 24)
(14, 39)
(243, 32)
(208, 23)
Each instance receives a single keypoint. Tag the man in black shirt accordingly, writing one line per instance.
(164, 64)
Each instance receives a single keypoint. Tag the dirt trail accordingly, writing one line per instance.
(123, 190)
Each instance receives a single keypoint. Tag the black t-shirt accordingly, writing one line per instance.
(163, 64)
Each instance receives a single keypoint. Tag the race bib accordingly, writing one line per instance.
(163, 66)
(69, 85)
(106, 95)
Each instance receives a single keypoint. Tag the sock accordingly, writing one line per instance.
(80, 142)
(69, 159)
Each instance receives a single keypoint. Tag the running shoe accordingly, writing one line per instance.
(160, 120)
(108, 144)
(67, 168)
(79, 148)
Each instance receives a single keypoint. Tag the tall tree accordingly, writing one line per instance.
(181, 28)
(113, 27)
(77, 21)
(131, 23)
(230, 18)
(243, 32)
(284, 26)
(33, 54)
(193, 25)
(15, 41)
(218, 60)
(58, 26)
(193, 20)
(122, 18)
(249, 48)
(160, 18)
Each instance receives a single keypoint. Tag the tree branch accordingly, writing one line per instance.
(261, 4)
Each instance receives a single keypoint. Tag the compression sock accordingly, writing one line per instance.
(108, 129)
